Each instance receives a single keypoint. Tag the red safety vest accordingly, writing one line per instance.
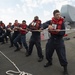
(16, 24)
(57, 24)
(2, 25)
(8, 26)
(35, 25)
(23, 26)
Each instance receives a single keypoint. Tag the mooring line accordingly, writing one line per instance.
(10, 72)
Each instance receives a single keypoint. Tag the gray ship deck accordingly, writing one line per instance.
(30, 64)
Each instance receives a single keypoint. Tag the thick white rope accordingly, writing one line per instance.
(11, 72)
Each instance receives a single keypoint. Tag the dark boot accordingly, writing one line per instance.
(40, 59)
(10, 46)
(65, 70)
(27, 53)
(18, 49)
(48, 64)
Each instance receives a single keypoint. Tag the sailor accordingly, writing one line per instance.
(22, 36)
(35, 38)
(56, 41)
(8, 31)
(16, 33)
(3, 30)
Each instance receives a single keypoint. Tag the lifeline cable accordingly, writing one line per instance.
(9, 72)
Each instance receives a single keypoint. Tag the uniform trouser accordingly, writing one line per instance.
(22, 38)
(0, 38)
(14, 36)
(9, 37)
(5, 36)
(58, 45)
(37, 43)
(17, 41)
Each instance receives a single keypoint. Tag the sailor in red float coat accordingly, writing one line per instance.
(35, 38)
(56, 41)
(16, 33)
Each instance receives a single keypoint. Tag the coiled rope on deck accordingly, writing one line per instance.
(11, 72)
